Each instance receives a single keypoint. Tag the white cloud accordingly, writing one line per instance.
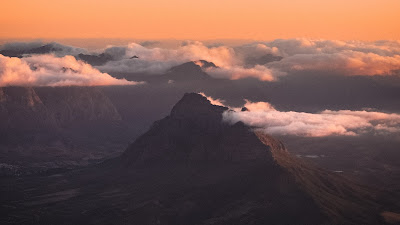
(341, 57)
(260, 60)
(346, 62)
(159, 60)
(264, 116)
(48, 70)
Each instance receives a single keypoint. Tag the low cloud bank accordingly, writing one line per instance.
(263, 116)
(160, 60)
(49, 70)
(230, 64)
(266, 61)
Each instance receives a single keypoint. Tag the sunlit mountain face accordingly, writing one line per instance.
(200, 113)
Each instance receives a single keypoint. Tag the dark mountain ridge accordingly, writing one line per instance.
(194, 134)
(192, 168)
(41, 49)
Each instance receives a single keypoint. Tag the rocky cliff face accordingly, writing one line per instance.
(24, 96)
(21, 107)
(45, 127)
(28, 107)
(68, 104)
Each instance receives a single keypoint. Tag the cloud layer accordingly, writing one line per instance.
(263, 116)
(266, 61)
(160, 60)
(49, 70)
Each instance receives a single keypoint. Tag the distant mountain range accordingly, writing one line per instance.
(42, 49)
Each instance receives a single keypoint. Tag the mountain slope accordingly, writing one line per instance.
(194, 132)
(191, 168)
(341, 199)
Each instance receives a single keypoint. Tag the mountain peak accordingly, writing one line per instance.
(185, 67)
(196, 105)
(205, 64)
(193, 65)
(194, 131)
(192, 70)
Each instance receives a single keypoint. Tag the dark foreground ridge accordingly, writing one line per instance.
(192, 168)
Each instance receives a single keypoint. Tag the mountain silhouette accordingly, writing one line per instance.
(190, 71)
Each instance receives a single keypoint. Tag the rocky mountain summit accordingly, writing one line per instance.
(190, 71)
(194, 132)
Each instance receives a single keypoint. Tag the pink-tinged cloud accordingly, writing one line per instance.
(263, 116)
(158, 60)
(48, 70)
(236, 72)
(346, 62)
(266, 61)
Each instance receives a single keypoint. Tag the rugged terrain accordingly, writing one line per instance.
(191, 168)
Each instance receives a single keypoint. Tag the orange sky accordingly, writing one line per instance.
(205, 19)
